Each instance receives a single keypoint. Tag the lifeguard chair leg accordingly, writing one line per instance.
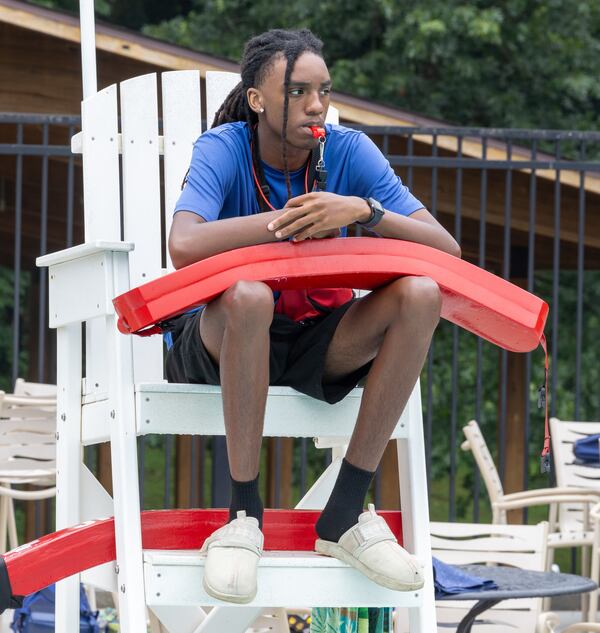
(128, 531)
(314, 499)
(68, 458)
(415, 510)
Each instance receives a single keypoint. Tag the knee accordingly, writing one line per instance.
(420, 296)
(248, 302)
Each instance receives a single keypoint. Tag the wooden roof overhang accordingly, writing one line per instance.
(162, 55)
(31, 30)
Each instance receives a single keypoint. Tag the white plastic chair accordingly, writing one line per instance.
(27, 456)
(569, 501)
(27, 452)
(591, 625)
(522, 546)
(569, 474)
(123, 393)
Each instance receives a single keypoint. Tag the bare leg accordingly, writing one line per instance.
(235, 331)
(393, 326)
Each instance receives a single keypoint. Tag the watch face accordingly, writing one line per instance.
(375, 205)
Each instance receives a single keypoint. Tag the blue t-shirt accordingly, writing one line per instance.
(220, 182)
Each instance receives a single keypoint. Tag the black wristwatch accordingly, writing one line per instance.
(377, 212)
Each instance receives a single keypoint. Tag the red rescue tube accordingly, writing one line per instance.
(473, 298)
(56, 556)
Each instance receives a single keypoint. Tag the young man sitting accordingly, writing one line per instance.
(248, 184)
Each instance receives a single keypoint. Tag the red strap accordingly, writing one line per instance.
(543, 402)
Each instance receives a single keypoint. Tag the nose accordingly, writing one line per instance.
(314, 104)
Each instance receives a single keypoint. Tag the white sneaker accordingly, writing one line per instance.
(233, 552)
(371, 547)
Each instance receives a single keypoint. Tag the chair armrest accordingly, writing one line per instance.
(583, 627)
(548, 622)
(547, 492)
(546, 499)
(84, 279)
(28, 495)
(82, 250)
(27, 401)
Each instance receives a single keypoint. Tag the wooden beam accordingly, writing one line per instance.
(35, 512)
(390, 488)
(283, 478)
(104, 468)
(188, 471)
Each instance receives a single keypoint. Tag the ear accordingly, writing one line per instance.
(255, 100)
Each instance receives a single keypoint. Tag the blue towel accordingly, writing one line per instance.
(449, 580)
(586, 449)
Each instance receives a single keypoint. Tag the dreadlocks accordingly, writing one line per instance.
(259, 54)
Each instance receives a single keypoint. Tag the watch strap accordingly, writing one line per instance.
(377, 212)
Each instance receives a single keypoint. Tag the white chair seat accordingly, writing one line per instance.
(174, 578)
(198, 409)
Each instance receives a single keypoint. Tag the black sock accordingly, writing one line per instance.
(345, 503)
(245, 496)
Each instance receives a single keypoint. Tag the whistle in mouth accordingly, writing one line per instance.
(317, 132)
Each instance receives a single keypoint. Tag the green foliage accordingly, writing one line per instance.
(519, 63)
(7, 284)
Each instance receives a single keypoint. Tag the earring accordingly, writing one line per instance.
(261, 110)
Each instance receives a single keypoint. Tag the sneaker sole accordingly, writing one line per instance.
(334, 550)
(225, 596)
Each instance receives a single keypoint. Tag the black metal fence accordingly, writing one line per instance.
(524, 204)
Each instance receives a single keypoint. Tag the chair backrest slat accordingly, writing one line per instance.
(568, 472)
(141, 184)
(102, 205)
(517, 545)
(101, 166)
(36, 389)
(141, 203)
(181, 127)
(218, 86)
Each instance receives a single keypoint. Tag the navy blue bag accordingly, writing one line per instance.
(37, 613)
(586, 449)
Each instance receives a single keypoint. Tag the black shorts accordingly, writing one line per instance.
(296, 359)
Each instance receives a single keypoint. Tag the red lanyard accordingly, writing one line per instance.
(317, 132)
(262, 193)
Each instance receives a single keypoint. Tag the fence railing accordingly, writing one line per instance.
(524, 204)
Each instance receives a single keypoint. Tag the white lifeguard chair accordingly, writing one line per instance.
(123, 393)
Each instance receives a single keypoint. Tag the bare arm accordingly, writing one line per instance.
(192, 238)
(314, 215)
(419, 227)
